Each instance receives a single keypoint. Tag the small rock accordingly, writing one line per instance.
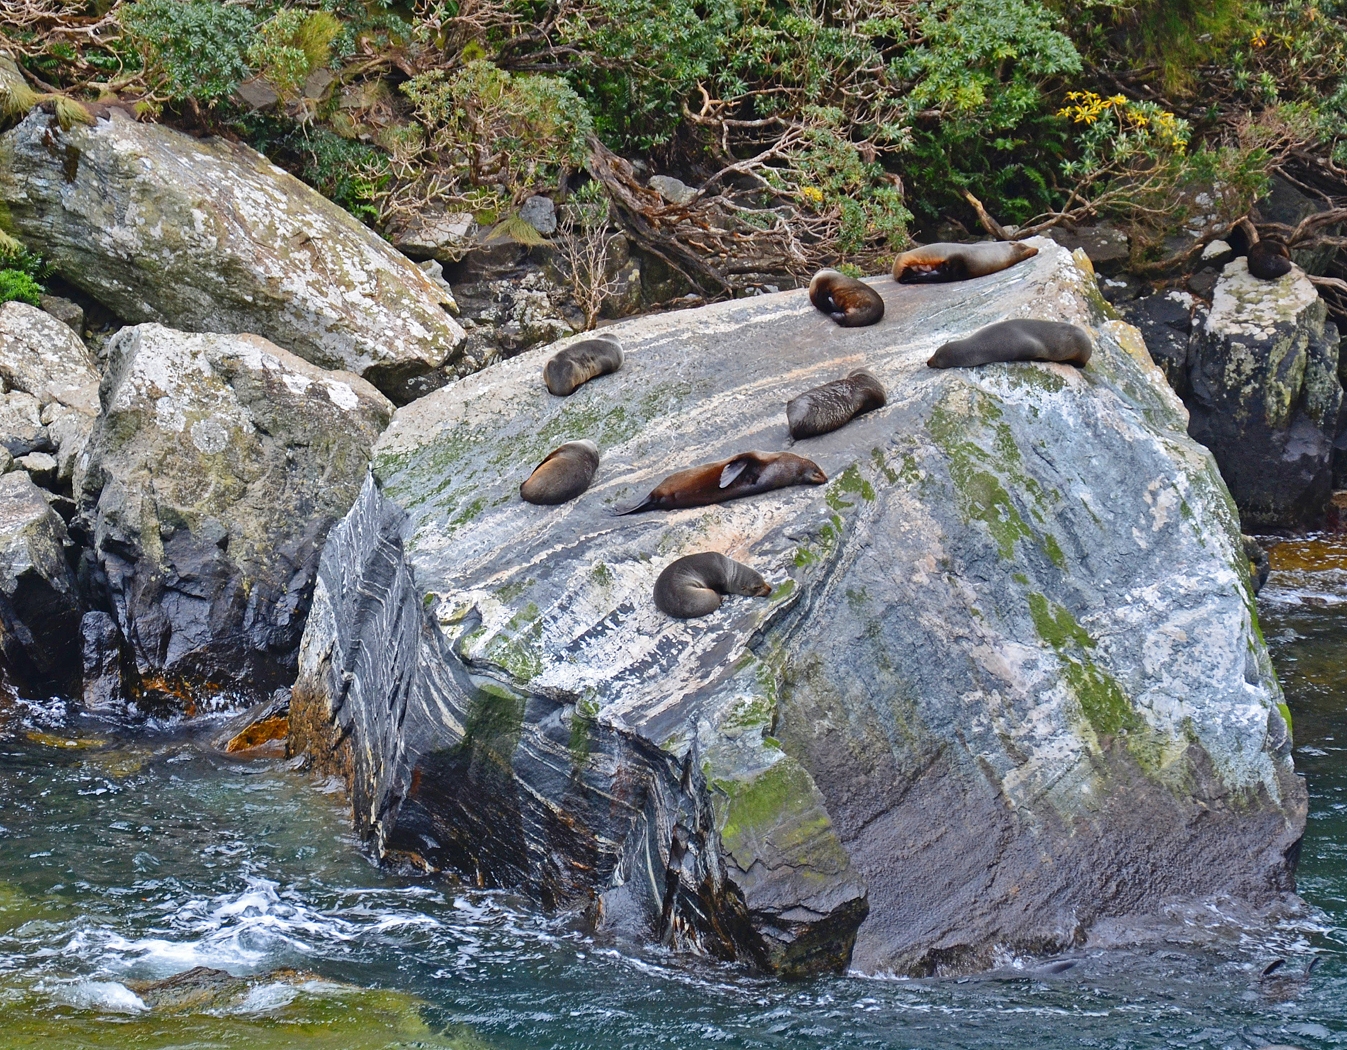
(317, 83)
(434, 233)
(1122, 287)
(259, 732)
(101, 652)
(1203, 283)
(65, 311)
(40, 466)
(6, 460)
(258, 93)
(434, 269)
(675, 191)
(1106, 246)
(541, 214)
(1259, 563)
(1217, 253)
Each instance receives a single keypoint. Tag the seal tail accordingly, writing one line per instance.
(649, 503)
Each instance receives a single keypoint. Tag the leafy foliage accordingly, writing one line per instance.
(20, 273)
(195, 48)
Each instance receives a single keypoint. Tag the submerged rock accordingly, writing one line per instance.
(209, 483)
(1264, 394)
(1008, 683)
(39, 599)
(208, 235)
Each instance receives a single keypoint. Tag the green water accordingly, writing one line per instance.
(135, 859)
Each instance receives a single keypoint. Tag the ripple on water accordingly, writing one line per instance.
(131, 859)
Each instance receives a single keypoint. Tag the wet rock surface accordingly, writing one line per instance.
(208, 235)
(1265, 396)
(1007, 686)
(206, 491)
(39, 597)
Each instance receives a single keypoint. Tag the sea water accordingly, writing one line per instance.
(128, 857)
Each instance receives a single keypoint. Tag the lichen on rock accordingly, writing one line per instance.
(207, 235)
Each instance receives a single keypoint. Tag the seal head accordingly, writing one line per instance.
(746, 474)
(849, 302)
(580, 362)
(1269, 259)
(833, 405)
(941, 262)
(1024, 339)
(693, 586)
(563, 475)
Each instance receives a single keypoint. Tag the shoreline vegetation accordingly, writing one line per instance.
(803, 134)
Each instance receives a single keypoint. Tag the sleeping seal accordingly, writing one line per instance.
(1269, 259)
(746, 474)
(563, 475)
(1018, 340)
(936, 263)
(693, 586)
(849, 302)
(833, 405)
(580, 362)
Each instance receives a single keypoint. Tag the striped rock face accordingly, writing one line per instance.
(1008, 688)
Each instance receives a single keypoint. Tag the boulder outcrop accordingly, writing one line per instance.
(206, 490)
(1008, 683)
(1264, 394)
(50, 387)
(39, 599)
(207, 235)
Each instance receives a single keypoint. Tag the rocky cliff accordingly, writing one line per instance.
(1008, 684)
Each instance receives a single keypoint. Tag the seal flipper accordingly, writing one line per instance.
(649, 503)
(732, 470)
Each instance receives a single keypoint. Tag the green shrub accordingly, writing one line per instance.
(193, 49)
(637, 61)
(485, 126)
(291, 44)
(17, 286)
(979, 107)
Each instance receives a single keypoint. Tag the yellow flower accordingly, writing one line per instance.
(812, 194)
(1258, 40)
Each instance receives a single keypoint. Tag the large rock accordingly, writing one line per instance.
(1008, 683)
(39, 599)
(208, 235)
(1265, 396)
(50, 385)
(207, 488)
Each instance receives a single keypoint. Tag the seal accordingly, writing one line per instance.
(746, 474)
(580, 362)
(1018, 340)
(849, 302)
(937, 263)
(693, 586)
(1269, 259)
(833, 405)
(563, 475)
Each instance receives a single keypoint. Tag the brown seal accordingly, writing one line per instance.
(746, 474)
(563, 475)
(849, 302)
(1269, 259)
(693, 586)
(936, 263)
(1023, 339)
(832, 405)
(580, 362)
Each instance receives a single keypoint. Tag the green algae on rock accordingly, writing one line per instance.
(1008, 685)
